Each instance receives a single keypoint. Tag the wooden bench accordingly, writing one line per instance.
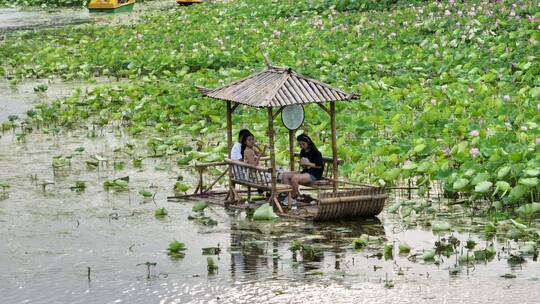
(255, 177)
(328, 174)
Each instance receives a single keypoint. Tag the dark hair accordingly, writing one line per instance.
(307, 139)
(242, 133)
(244, 139)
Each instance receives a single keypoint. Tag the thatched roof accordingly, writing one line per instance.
(277, 87)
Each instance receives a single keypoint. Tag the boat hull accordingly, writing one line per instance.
(124, 8)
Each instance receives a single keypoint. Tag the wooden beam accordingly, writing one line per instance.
(324, 108)
(277, 113)
(234, 107)
(291, 149)
(334, 144)
(273, 197)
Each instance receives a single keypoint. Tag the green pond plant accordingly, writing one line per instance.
(447, 98)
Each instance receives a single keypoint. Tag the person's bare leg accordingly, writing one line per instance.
(298, 179)
(287, 176)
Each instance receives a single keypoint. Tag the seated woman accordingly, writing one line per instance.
(312, 163)
(248, 150)
(236, 151)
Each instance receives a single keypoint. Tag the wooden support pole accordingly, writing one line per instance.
(229, 147)
(273, 197)
(334, 143)
(291, 149)
(324, 108)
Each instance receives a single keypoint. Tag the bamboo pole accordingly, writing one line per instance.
(334, 143)
(272, 155)
(229, 147)
(291, 149)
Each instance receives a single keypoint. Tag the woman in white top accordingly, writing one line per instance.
(236, 151)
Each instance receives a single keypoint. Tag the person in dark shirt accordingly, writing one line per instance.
(312, 163)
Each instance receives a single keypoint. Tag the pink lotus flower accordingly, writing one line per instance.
(451, 2)
(435, 46)
(474, 133)
(407, 163)
(475, 151)
(434, 102)
(447, 13)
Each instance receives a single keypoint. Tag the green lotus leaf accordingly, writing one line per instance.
(530, 182)
(531, 172)
(394, 207)
(440, 226)
(503, 172)
(480, 177)
(423, 167)
(404, 248)
(199, 206)
(264, 213)
(419, 148)
(428, 255)
(483, 187)
(460, 184)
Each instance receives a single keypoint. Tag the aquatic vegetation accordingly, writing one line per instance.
(79, 186)
(4, 185)
(264, 213)
(199, 206)
(404, 248)
(179, 186)
(440, 226)
(429, 255)
(443, 103)
(175, 249)
(119, 184)
(41, 88)
(388, 251)
(161, 212)
(211, 265)
(145, 193)
(359, 243)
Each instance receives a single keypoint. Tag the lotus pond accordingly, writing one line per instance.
(450, 100)
(68, 238)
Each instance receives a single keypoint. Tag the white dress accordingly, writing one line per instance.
(236, 151)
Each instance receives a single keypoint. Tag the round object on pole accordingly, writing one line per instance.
(292, 116)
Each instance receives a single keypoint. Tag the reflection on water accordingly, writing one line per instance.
(49, 239)
(12, 19)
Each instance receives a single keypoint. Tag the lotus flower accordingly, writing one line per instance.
(524, 128)
(506, 98)
(475, 151)
(474, 133)
(434, 102)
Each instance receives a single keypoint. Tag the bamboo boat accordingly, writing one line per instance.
(111, 6)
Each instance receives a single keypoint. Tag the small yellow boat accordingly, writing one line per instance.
(111, 6)
(188, 2)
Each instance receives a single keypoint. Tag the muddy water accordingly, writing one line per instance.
(50, 238)
(12, 19)
(16, 99)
